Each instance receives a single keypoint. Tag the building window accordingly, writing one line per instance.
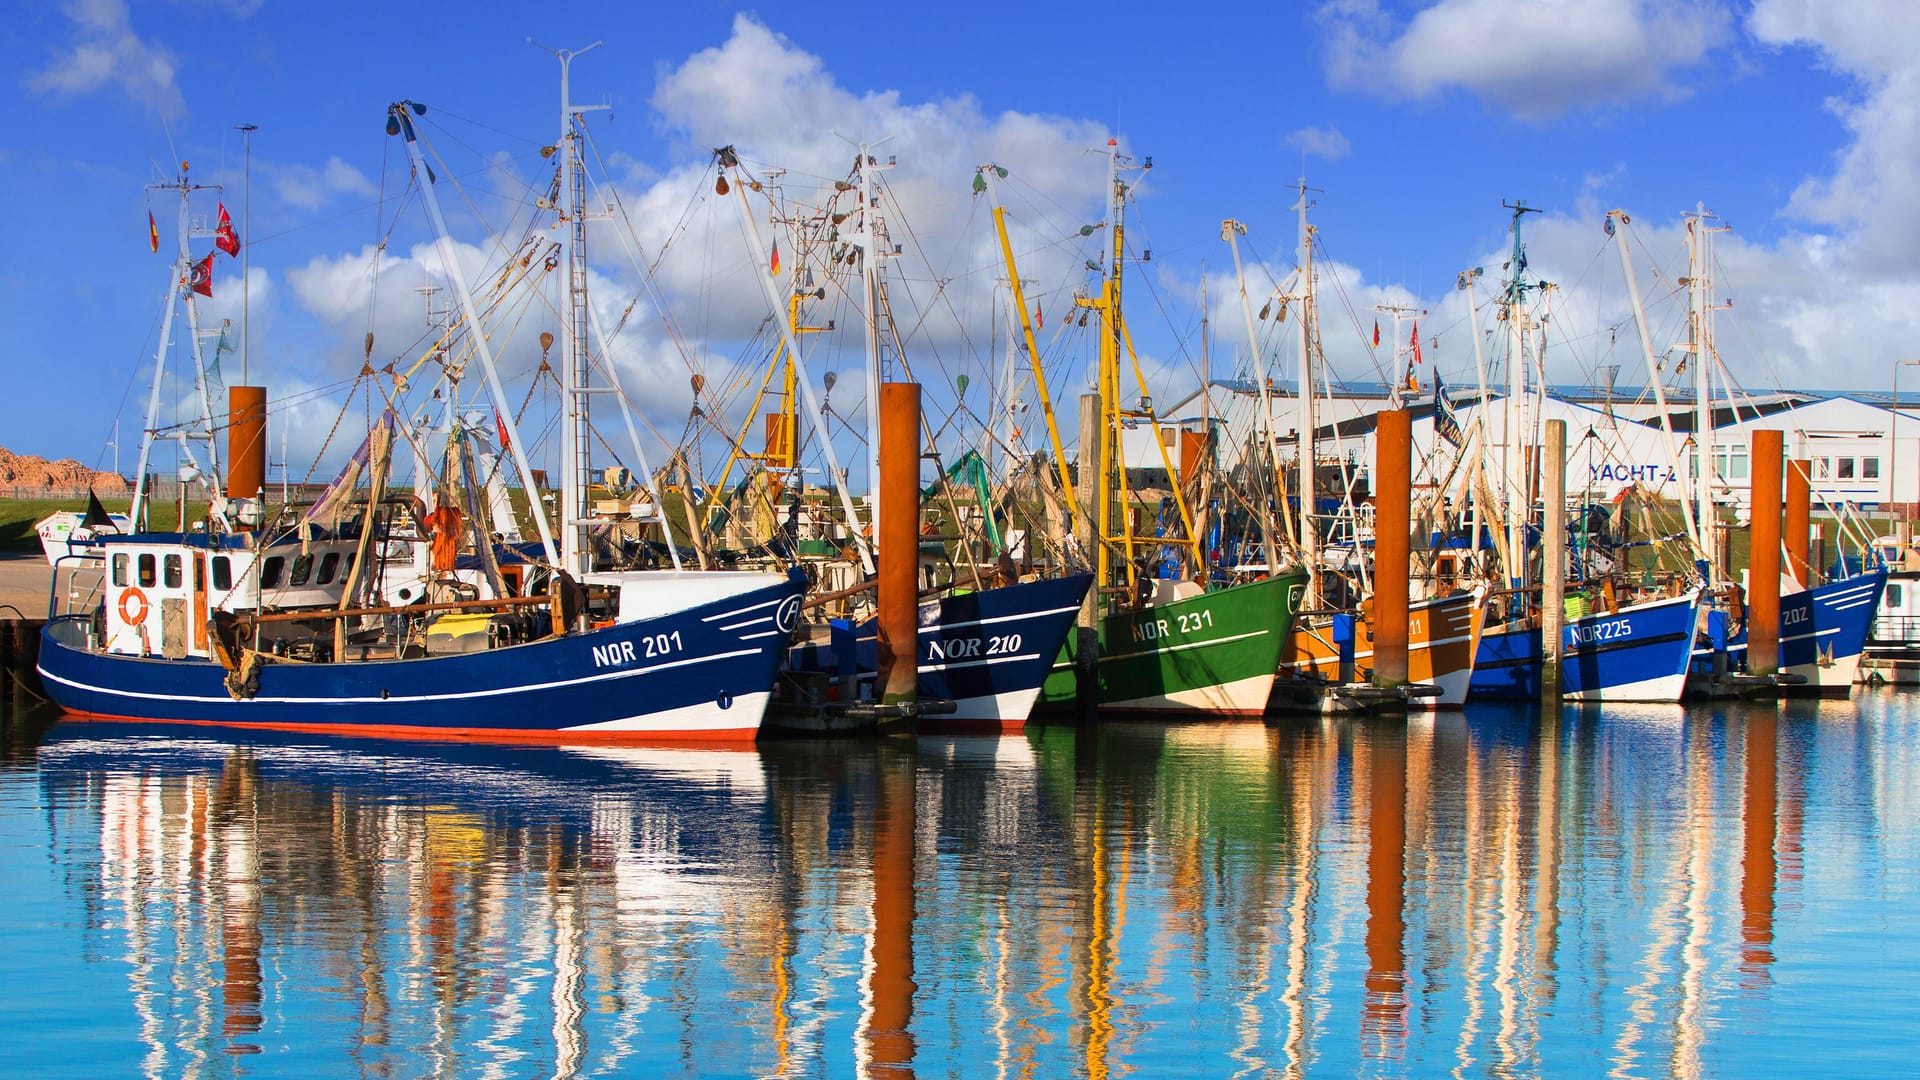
(1869, 468)
(1822, 468)
(1843, 468)
(222, 573)
(173, 571)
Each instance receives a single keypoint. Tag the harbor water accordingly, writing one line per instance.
(1721, 890)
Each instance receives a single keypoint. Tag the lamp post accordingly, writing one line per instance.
(246, 238)
(1893, 440)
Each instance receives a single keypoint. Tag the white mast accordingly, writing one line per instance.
(400, 120)
(869, 239)
(1230, 231)
(1700, 280)
(1616, 227)
(729, 161)
(1308, 453)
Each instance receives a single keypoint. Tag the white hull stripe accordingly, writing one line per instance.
(1185, 647)
(945, 626)
(416, 698)
(1007, 659)
(743, 715)
(741, 611)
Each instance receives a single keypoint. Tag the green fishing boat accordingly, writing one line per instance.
(1214, 653)
(1167, 644)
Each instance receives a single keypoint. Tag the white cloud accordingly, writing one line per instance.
(1535, 60)
(1324, 143)
(106, 51)
(1873, 195)
(307, 187)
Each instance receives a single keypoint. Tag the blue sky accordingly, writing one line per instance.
(1798, 123)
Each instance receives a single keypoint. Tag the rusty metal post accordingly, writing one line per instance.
(246, 441)
(1799, 527)
(1392, 525)
(1763, 561)
(898, 534)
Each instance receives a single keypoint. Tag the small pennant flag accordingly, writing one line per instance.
(500, 422)
(153, 233)
(1416, 341)
(774, 267)
(224, 237)
(1039, 317)
(1376, 333)
(201, 276)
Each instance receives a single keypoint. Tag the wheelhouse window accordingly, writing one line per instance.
(302, 570)
(222, 572)
(172, 568)
(120, 563)
(329, 563)
(271, 570)
(148, 571)
(1895, 600)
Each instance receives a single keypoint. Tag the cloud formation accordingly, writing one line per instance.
(1535, 60)
(106, 52)
(1325, 143)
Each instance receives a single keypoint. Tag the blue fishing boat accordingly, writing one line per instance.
(1823, 633)
(662, 666)
(1506, 664)
(1641, 652)
(987, 651)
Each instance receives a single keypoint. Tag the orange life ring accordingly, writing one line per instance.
(133, 605)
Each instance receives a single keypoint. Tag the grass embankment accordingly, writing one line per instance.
(19, 516)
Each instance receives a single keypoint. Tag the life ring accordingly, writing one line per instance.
(133, 605)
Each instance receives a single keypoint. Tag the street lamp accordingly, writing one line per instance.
(1893, 439)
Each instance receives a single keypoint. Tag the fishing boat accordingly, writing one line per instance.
(246, 623)
(986, 643)
(1631, 642)
(1166, 641)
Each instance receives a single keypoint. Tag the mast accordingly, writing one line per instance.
(1306, 452)
(1230, 231)
(870, 239)
(730, 161)
(400, 121)
(1700, 290)
(576, 434)
(1616, 222)
(1513, 446)
(179, 287)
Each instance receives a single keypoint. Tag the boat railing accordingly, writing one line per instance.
(1895, 629)
(78, 584)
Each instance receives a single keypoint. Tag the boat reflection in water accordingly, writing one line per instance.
(1595, 891)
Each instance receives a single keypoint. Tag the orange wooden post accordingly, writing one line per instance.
(1799, 527)
(898, 533)
(1763, 563)
(1392, 524)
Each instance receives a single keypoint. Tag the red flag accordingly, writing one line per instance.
(1376, 333)
(153, 233)
(501, 423)
(1039, 317)
(201, 276)
(224, 237)
(774, 267)
(1416, 341)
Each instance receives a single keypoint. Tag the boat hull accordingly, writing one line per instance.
(703, 673)
(1439, 651)
(988, 651)
(1823, 634)
(1209, 655)
(1638, 653)
(1506, 665)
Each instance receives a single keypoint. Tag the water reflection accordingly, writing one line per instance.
(1499, 892)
